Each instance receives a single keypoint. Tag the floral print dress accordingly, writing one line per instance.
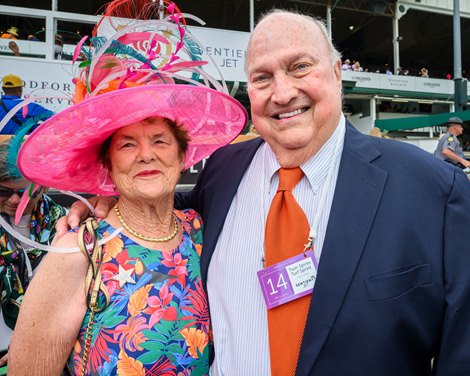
(158, 325)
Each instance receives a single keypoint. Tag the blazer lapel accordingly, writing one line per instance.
(357, 195)
(225, 176)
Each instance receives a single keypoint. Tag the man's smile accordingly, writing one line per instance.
(286, 115)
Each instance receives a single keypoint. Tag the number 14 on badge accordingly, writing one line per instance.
(289, 279)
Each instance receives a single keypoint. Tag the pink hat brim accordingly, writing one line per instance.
(62, 152)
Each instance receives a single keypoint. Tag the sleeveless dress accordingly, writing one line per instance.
(158, 325)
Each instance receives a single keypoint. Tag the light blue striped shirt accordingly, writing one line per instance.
(238, 310)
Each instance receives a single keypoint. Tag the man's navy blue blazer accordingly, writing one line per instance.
(393, 285)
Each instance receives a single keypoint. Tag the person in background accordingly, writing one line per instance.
(386, 223)
(449, 148)
(376, 132)
(346, 65)
(11, 33)
(19, 261)
(58, 46)
(356, 67)
(424, 73)
(12, 86)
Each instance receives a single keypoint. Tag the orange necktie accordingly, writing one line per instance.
(287, 231)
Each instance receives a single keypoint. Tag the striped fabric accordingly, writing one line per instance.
(238, 311)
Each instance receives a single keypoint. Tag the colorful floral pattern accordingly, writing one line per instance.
(160, 324)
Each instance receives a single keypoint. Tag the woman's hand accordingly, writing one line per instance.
(4, 360)
(79, 212)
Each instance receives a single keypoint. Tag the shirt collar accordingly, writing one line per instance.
(315, 168)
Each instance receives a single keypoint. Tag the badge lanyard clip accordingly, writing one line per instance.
(308, 246)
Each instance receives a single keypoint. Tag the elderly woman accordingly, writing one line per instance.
(136, 304)
(18, 261)
(157, 318)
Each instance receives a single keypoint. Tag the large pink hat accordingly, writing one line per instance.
(126, 78)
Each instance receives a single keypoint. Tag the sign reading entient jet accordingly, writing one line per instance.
(228, 50)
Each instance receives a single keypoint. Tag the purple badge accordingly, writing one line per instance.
(289, 279)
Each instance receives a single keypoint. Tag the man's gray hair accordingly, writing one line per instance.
(335, 55)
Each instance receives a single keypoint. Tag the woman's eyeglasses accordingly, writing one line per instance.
(7, 192)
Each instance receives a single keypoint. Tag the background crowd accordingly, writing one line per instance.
(423, 72)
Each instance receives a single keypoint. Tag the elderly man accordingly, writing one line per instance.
(12, 86)
(390, 266)
(449, 148)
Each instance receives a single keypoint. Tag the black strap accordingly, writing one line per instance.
(14, 118)
(455, 164)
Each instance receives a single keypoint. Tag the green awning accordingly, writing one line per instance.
(348, 84)
(419, 121)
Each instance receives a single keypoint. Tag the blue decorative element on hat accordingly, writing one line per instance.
(195, 52)
(16, 142)
(118, 48)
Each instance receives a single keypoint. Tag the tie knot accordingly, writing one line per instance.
(288, 178)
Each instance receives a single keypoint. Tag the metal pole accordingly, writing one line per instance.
(252, 15)
(457, 42)
(328, 18)
(460, 85)
(51, 30)
(51, 27)
(373, 111)
(395, 42)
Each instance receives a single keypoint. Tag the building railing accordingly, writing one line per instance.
(412, 84)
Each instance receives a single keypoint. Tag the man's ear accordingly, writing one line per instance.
(337, 68)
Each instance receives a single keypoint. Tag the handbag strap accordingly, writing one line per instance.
(93, 285)
(87, 234)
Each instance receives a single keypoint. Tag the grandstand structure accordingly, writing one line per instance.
(381, 34)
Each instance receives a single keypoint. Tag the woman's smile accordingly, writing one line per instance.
(148, 173)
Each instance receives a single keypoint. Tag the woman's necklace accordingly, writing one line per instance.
(143, 237)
